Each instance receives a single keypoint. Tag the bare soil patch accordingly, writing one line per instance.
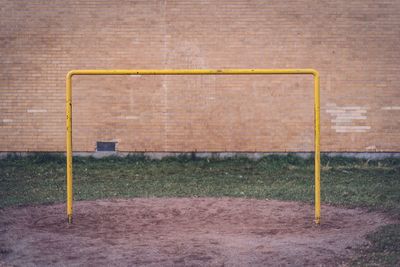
(181, 232)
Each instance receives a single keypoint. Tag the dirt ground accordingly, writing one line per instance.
(182, 232)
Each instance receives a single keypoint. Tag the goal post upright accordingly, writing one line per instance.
(68, 107)
(317, 149)
(317, 171)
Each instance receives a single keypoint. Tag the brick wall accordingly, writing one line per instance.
(354, 45)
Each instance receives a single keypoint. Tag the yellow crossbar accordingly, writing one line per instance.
(196, 72)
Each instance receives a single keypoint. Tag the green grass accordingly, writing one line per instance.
(384, 248)
(345, 182)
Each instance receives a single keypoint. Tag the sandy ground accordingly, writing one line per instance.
(182, 232)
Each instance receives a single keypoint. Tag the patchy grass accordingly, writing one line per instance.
(383, 250)
(346, 182)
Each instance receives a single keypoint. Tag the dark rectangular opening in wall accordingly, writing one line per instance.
(105, 146)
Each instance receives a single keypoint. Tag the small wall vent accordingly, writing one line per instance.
(105, 146)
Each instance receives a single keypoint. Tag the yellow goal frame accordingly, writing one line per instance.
(313, 72)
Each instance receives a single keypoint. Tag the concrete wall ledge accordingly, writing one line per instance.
(220, 155)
